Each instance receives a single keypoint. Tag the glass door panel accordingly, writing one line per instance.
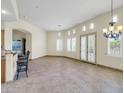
(83, 48)
(91, 48)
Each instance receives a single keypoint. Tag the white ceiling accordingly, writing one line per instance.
(48, 14)
(6, 5)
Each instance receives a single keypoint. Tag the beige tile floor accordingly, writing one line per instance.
(63, 75)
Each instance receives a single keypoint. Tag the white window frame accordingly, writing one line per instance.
(84, 28)
(73, 44)
(59, 45)
(69, 33)
(74, 31)
(91, 25)
(69, 44)
(109, 53)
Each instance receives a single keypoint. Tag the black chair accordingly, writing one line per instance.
(22, 64)
(21, 55)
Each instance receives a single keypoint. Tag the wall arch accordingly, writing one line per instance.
(28, 37)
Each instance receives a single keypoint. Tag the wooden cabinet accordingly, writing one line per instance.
(3, 71)
(2, 38)
(3, 63)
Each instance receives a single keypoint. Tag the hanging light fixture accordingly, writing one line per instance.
(113, 31)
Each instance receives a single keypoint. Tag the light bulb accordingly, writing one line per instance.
(111, 28)
(104, 30)
(119, 28)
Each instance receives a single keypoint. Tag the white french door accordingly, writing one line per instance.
(84, 48)
(88, 48)
(91, 48)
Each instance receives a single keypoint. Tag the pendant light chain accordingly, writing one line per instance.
(112, 8)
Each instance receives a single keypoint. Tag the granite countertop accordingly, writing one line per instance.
(5, 52)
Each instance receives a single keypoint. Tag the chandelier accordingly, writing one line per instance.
(113, 31)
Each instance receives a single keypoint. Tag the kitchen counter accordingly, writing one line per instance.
(3, 58)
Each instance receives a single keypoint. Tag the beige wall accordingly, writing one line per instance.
(2, 25)
(51, 43)
(100, 22)
(29, 43)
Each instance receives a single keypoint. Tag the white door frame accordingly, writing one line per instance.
(94, 33)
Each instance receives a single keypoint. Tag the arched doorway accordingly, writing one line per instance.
(21, 41)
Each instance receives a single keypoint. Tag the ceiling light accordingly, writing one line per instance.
(3, 12)
(59, 25)
(36, 6)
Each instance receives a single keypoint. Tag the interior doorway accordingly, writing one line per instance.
(18, 43)
(23, 45)
(88, 48)
(21, 42)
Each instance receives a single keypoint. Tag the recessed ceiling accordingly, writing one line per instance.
(7, 12)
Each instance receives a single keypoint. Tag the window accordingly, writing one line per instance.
(59, 46)
(83, 28)
(74, 31)
(115, 47)
(115, 19)
(91, 26)
(69, 33)
(69, 44)
(73, 44)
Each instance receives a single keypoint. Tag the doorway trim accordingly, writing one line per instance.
(93, 33)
